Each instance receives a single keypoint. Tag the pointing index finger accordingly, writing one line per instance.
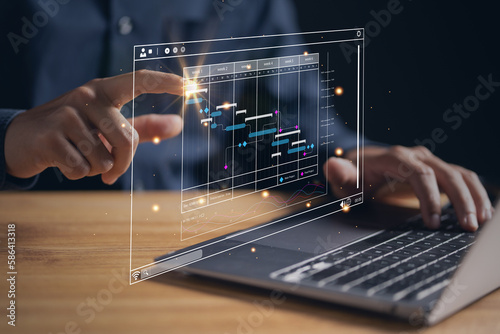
(121, 89)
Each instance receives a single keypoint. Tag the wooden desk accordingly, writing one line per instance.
(72, 250)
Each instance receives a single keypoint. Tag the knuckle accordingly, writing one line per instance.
(454, 176)
(67, 115)
(79, 171)
(94, 82)
(127, 138)
(398, 150)
(405, 157)
(142, 72)
(422, 152)
(75, 166)
(84, 94)
(101, 166)
(82, 170)
(470, 175)
(422, 149)
(423, 169)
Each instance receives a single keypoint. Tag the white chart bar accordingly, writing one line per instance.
(298, 142)
(194, 91)
(257, 117)
(276, 155)
(287, 134)
(244, 111)
(226, 106)
(206, 120)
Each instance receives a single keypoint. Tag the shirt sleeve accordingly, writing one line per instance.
(8, 182)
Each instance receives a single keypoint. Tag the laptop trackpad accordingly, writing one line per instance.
(316, 236)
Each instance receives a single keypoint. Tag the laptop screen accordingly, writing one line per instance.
(261, 116)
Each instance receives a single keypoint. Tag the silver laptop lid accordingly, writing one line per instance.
(478, 275)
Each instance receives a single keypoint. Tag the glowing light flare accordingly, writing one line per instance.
(252, 249)
(346, 208)
(191, 86)
(308, 204)
(156, 140)
(201, 201)
(226, 105)
(339, 151)
(249, 67)
(123, 125)
(265, 194)
(339, 91)
(306, 53)
(205, 124)
(155, 208)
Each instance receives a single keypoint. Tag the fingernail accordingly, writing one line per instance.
(471, 221)
(487, 214)
(109, 165)
(435, 221)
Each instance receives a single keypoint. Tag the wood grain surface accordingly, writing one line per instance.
(72, 263)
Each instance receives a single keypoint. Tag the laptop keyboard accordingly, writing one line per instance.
(405, 263)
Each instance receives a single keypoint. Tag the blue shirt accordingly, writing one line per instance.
(53, 46)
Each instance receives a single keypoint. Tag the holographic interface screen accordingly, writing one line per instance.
(261, 116)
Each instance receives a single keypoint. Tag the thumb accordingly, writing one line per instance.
(154, 127)
(341, 174)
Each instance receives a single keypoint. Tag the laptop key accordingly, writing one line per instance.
(327, 273)
(440, 251)
(402, 263)
(380, 251)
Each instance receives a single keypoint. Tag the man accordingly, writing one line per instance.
(55, 48)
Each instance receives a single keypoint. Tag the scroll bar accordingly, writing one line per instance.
(357, 128)
(173, 263)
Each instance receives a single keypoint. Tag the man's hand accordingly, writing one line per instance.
(83, 132)
(426, 174)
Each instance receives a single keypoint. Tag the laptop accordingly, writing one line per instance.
(261, 116)
(405, 271)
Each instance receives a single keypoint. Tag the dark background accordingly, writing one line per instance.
(429, 57)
